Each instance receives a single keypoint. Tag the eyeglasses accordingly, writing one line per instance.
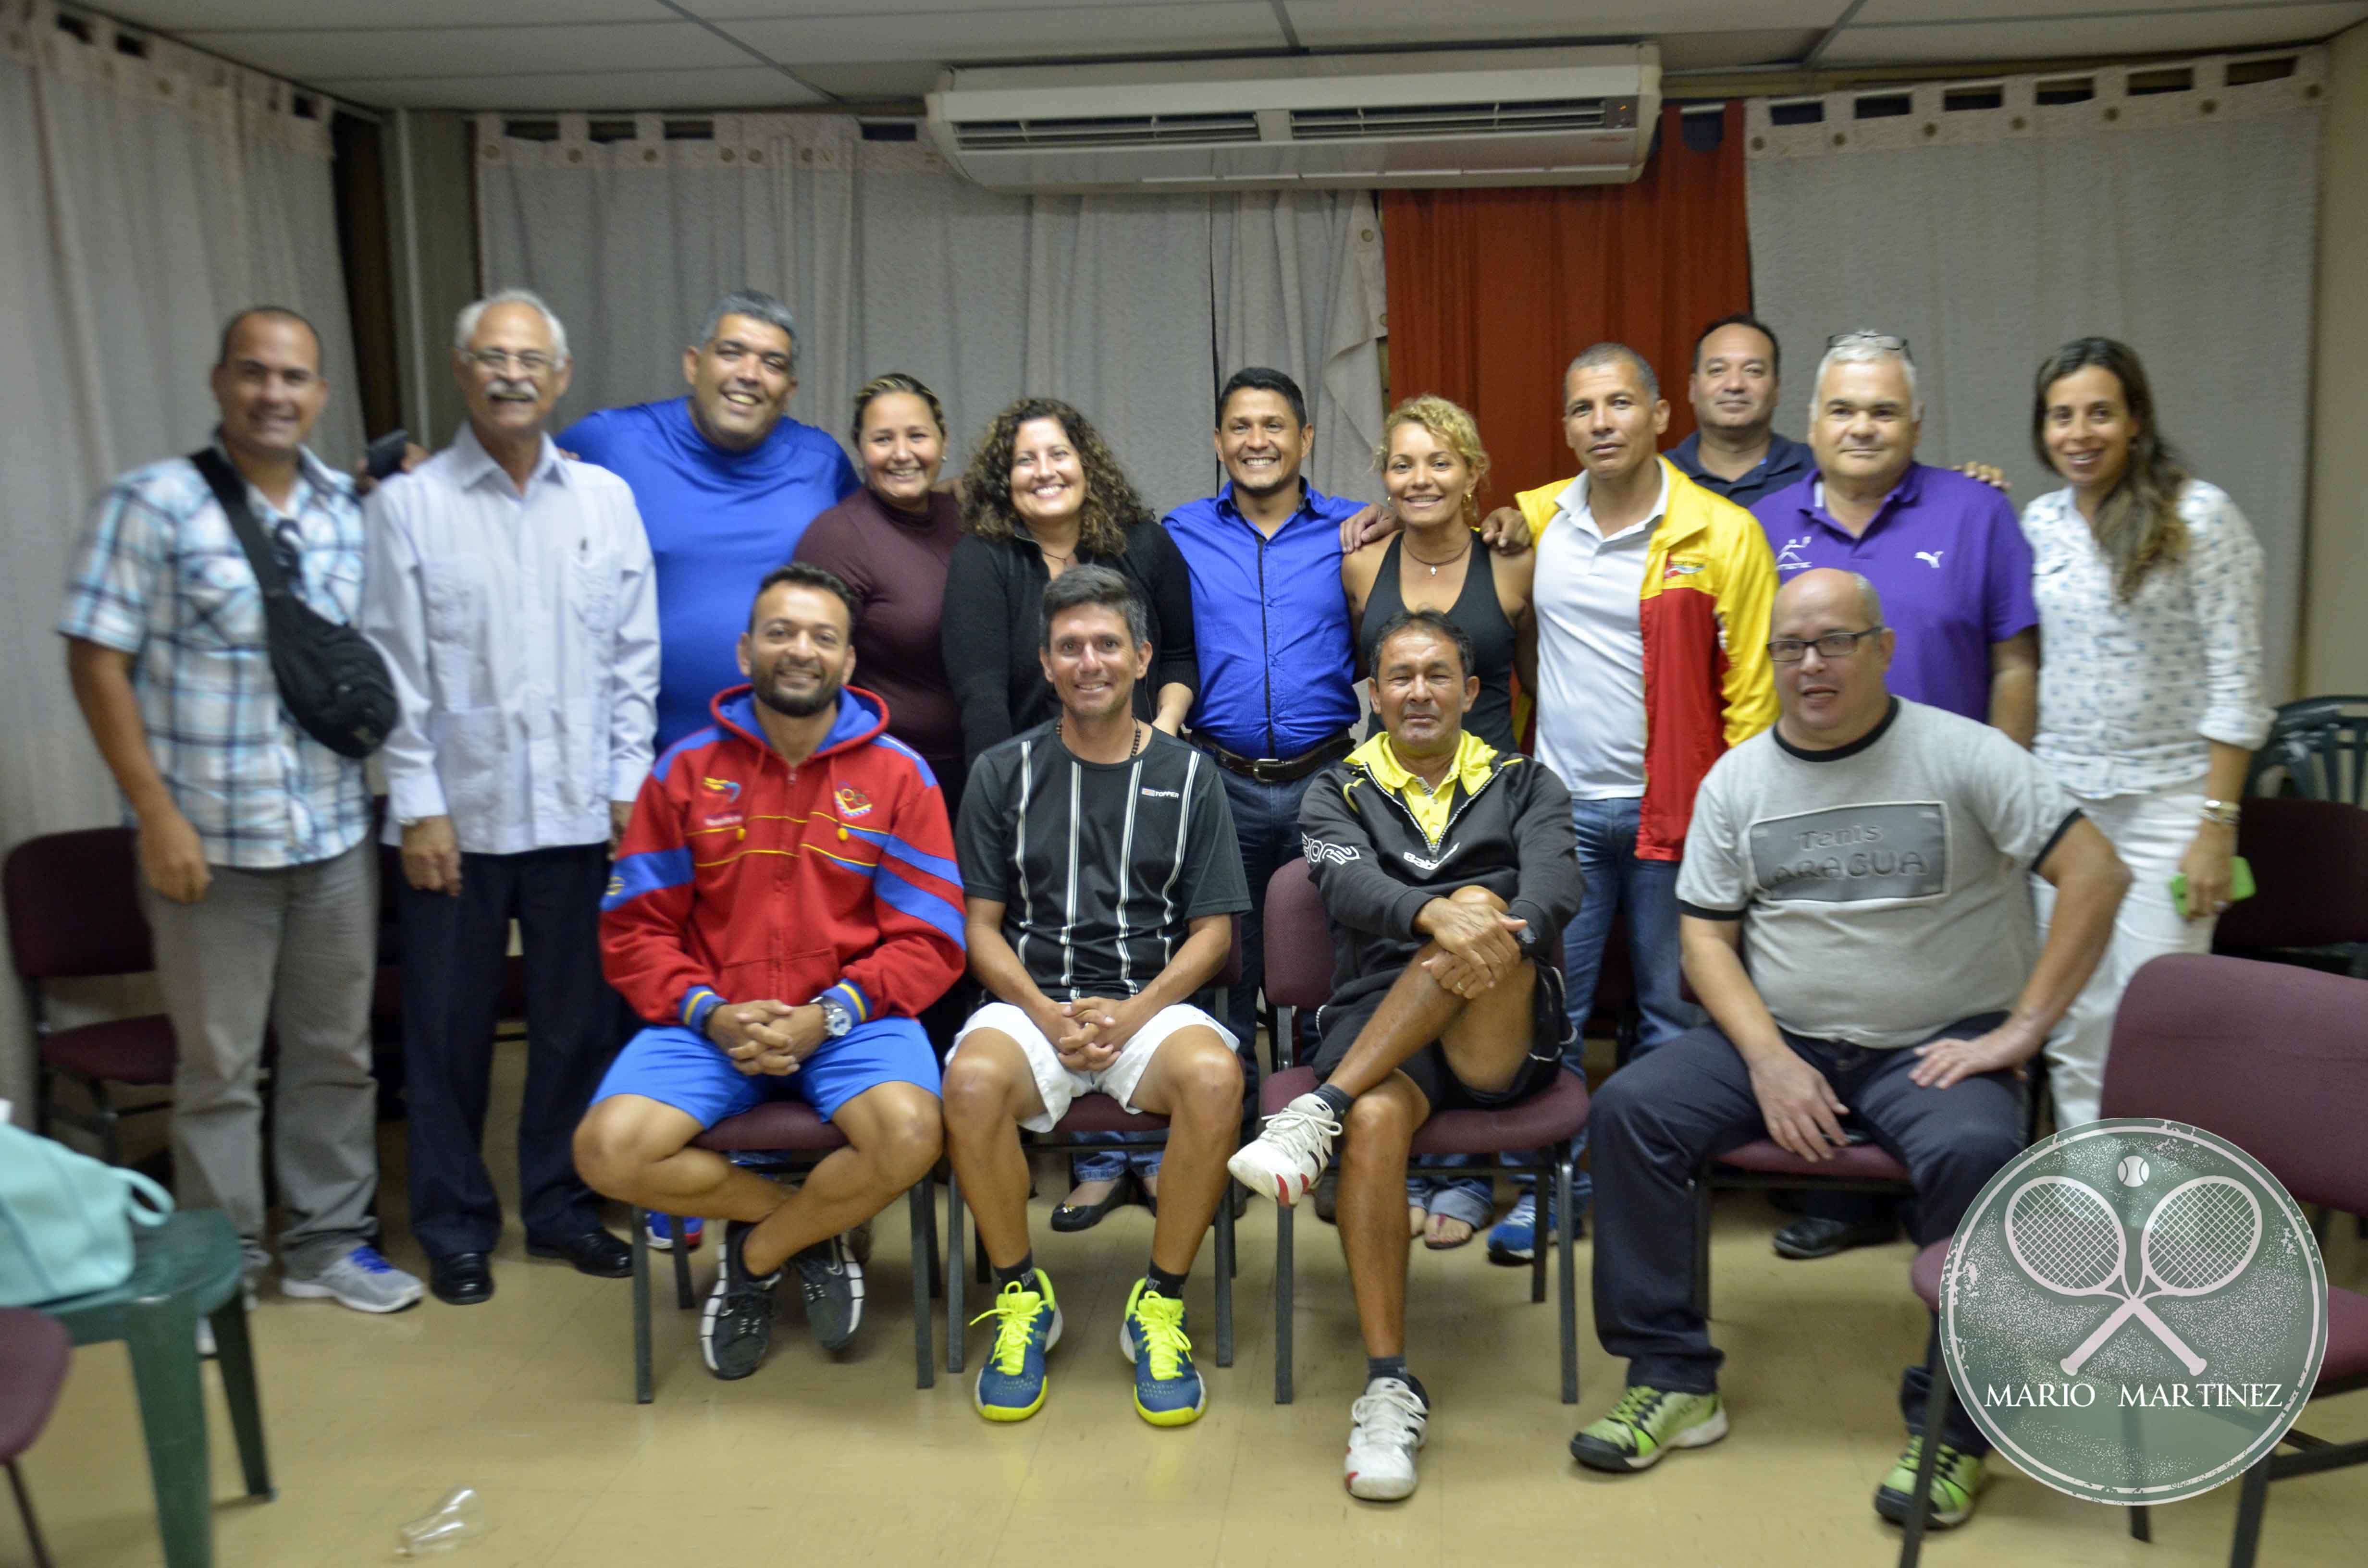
(499, 359)
(1882, 342)
(1832, 646)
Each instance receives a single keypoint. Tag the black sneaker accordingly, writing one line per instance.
(832, 1282)
(738, 1326)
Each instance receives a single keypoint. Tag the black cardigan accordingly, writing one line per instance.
(992, 628)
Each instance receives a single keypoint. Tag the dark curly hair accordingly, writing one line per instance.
(1112, 504)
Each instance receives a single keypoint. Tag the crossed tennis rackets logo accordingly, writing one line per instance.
(2198, 1239)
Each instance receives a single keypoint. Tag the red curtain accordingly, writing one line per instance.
(1491, 292)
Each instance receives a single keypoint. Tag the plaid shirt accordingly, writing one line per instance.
(161, 576)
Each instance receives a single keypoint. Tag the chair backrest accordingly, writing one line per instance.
(2310, 864)
(74, 906)
(2320, 746)
(1298, 939)
(2272, 1057)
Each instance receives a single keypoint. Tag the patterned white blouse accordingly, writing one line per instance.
(2132, 693)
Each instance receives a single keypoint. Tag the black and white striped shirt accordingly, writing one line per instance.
(1100, 867)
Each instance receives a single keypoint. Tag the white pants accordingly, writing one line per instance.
(2151, 833)
(1057, 1085)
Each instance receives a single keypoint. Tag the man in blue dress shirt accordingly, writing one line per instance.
(725, 484)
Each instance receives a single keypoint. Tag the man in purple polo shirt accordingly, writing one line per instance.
(1947, 555)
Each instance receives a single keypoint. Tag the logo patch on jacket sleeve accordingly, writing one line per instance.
(853, 801)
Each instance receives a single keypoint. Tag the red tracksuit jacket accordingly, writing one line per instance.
(742, 879)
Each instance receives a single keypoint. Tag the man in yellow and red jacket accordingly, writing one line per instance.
(785, 902)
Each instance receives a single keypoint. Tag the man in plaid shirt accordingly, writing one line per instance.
(256, 875)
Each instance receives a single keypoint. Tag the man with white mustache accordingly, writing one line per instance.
(511, 592)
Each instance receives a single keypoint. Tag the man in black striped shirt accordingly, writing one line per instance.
(1102, 878)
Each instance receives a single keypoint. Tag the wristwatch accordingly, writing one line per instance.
(835, 1020)
(2224, 812)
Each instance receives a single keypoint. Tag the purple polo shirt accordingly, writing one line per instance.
(1948, 556)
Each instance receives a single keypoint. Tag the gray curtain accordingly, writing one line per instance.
(2180, 222)
(1131, 307)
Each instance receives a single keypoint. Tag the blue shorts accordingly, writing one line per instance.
(673, 1066)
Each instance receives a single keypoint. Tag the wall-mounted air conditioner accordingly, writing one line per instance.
(1487, 117)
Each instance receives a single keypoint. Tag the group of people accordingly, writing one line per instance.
(938, 804)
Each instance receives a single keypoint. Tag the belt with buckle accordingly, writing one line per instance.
(1279, 769)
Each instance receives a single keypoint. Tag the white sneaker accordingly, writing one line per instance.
(360, 1279)
(1387, 1427)
(1283, 1161)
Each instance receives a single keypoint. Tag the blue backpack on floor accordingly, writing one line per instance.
(66, 1218)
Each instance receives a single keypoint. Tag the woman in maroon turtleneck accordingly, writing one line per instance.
(890, 542)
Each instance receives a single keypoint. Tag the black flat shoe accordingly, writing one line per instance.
(1085, 1217)
(1814, 1238)
(596, 1253)
(462, 1278)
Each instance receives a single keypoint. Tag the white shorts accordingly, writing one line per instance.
(1058, 1084)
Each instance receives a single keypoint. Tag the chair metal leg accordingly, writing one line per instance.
(1283, 1286)
(925, 1358)
(2141, 1524)
(235, 1353)
(1537, 1237)
(1225, 1279)
(683, 1299)
(1937, 1405)
(1566, 1230)
(936, 1255)
(1701, 1242)
(2252, 1503)
(955, 1321)
(642, 1392)
(32, 1526)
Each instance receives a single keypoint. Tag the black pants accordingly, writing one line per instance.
(455, 953)
(1658, 1117)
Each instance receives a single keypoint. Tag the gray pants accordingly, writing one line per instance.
(297, 949)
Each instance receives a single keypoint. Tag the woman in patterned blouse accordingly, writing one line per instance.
(2148, 583)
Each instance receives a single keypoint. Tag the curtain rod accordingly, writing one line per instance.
(139, 31)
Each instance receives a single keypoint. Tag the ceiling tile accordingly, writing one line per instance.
(750, 86)
(1044, 32)
(1329, 24)
(1877, 12)
(196, 17)
(1723, 52)
(873, 78)
(481, 52)
(727, 11)
(2198, 33)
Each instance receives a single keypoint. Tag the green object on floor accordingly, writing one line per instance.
(191, 1266)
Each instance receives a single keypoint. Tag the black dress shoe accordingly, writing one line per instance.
(1086, 1216)
(462, 1278)
(1804, 1239)
(596, 1253)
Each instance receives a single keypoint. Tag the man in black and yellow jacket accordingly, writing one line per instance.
(1448, 868)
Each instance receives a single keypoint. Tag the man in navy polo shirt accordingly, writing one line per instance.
(1278, 664)
(1734, 451)
(1947, 555)
(725, 483)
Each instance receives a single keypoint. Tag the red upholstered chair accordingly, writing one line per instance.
(35, 1350)
(1536, 1131)
(1098, 1114)
(2275, 1060)
(780, 1137)
(73, 913)
(2310, 862)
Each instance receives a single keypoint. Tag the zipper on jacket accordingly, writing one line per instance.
(1453, 817)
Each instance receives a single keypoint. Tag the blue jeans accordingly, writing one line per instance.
(1648, 889)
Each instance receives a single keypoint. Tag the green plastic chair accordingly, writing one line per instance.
(189, 1267)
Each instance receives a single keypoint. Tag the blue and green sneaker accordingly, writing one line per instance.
(1026, 1324)
(1955, 1479)
(1168, 1387)
(1644, 1425)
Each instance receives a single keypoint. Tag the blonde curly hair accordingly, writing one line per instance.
(1449, 423)
(1113, 503)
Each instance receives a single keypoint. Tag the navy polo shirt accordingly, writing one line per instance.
(1787, 462)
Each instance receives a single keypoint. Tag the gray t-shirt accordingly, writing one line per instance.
(1883, 886)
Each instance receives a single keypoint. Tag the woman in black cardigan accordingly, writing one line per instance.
(1041, 494)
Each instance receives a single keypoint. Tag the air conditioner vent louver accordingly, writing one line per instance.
(1462, 119)
(1005, 136)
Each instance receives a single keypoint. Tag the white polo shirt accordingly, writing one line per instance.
(1591, 647)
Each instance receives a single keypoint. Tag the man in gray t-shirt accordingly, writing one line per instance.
(1856, 919)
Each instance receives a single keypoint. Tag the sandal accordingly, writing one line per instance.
(1431, 1238)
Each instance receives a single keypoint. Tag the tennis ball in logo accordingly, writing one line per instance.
(2132, 1172)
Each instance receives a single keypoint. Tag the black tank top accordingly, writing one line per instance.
(1478, 613)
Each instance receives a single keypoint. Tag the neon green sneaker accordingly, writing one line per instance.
(1026, 1324)
(1646, 1424)
(1955, 1479)
(1168, 1387)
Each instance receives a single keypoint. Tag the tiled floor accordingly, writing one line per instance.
(530, 1399)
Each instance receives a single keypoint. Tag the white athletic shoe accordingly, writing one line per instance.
(1283, 1161)
(1387, 1427)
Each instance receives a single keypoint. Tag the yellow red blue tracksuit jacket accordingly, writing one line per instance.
(742, 879)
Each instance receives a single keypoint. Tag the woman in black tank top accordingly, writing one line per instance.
(1432, 465)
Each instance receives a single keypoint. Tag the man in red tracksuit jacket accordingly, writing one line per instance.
(785, 902)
